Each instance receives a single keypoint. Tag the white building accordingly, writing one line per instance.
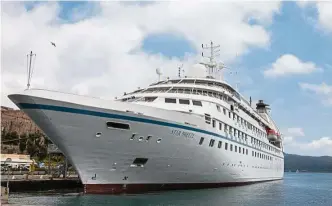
(16, 160)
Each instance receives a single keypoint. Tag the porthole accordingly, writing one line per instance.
(148, 138)
(140, 138)
(98, 134)
(158, 140)
(132, 137)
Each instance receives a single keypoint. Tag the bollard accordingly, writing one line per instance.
(4, 195)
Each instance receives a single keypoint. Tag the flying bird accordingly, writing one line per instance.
(53, 44)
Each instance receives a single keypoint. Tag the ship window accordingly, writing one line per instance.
(211, 143)
(207, 118)
(158, 140)
(140, 138)
(247, 151)
(213, 123)
(231, 147)
(183, 101)
(239, 149)
(225, 128)
(229, 114)
(220, 126)
(201, 140)
(224, 111)
(117, 125)
(253, 153)
(150, 99)
(226, 145)
(169, 100)
(219, 144)
(218, 108)
(139, 162)
(235, 148)
(243, 150)
(197, 103)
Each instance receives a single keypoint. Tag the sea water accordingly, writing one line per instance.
(295, 189)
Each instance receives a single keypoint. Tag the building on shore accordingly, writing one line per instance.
(16, 161)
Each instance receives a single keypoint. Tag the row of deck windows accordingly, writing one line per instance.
(238, 134)
(262, 156)
(183, 101)
(219, 95)
(228, 129)
(238, 149)
(236, 118)
(242, 122)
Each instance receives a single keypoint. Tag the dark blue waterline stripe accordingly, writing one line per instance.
(130, 118)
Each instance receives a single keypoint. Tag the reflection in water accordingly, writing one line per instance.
(295, 189)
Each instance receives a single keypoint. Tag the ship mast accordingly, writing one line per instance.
(29, 68)
(212, 66)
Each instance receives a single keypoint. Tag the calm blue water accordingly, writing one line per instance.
(296, 189)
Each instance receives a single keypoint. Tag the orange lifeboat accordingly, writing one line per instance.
(272, 135)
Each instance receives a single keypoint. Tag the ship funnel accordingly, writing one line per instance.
(261, 105)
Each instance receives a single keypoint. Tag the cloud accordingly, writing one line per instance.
(318, 147)
(295, 131)
(290, 135)
(99, 52)
(289, 64)
(294, 145)
(324, 8)
(324, 90)
(325, 15)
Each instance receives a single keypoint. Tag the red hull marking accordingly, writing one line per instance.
(143, 188)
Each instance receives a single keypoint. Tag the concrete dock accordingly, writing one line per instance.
(38, 183)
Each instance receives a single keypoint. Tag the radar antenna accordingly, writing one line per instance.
(158, 73)
(29, 68)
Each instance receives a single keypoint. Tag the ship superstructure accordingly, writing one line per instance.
(184, 132)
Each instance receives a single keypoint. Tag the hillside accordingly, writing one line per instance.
(308, 163)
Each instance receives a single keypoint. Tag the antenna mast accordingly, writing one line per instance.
(212, 65)
(179, 71)
(30, 69)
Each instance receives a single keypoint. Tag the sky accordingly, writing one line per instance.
(281, 52)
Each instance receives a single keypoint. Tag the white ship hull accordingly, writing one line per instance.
(177, 161)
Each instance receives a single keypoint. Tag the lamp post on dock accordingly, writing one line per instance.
(7, 188)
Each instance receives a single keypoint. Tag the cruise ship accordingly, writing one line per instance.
(177, 133)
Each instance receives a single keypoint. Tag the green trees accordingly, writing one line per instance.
(33, 144)
(23, 143)
(10, 137)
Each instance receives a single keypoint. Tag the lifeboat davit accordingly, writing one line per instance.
(272, 135)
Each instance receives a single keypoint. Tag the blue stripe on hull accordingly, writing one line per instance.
(129, 118)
